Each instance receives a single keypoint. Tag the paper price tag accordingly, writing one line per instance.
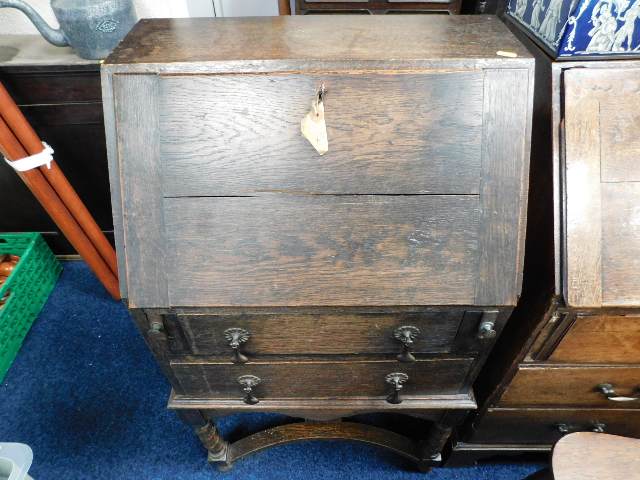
(314, 128)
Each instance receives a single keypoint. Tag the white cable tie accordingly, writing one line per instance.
(45, 157)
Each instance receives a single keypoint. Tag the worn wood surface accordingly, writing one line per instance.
(135, 99)
(388, 134)
(542, 426)
(503, 190)
(322, 250)
(430, 407)
(603, 238)
(621, 241)
(321, 334)
(584, 207)
(600, 339)
(571, 386)
(594, 456)
(313, 38)
(291, 378)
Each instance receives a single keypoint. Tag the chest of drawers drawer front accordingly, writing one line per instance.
(547, 426)
(388, 134)
(574, 386)
(600, 339)
(291, 334)
(322, 250)
(321, 379)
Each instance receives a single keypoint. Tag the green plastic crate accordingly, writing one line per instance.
(27, 290)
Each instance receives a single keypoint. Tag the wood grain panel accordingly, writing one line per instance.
(309, 38)
(390, 134)
(583, 278)
(540, 426)
(621, 243)
(295, 334)
(503, 191)
(620, 120)
(571, 386)
(291, 379)
(322, 250)
(135, 98)
(600, 339)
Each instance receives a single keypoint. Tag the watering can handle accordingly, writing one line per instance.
(51, 35)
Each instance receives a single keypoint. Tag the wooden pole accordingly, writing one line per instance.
(44, 193)
(29, 139)
(284, 7)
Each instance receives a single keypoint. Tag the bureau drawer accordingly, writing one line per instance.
(546, 426)
(388, 134)
(343, 334)
(573, 386)
(321, 379)
(600, 339)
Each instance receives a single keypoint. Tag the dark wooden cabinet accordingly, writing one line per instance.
(571, 352)
(269, 278)
(376, 7)
(61, 96)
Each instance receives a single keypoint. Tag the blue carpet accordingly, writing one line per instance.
(87, 396)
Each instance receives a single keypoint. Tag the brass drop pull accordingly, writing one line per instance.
(486, 329)
(396, 380)
(609, 391)
(595, 427)
(248, 383)
(235, 337)
(406, 335)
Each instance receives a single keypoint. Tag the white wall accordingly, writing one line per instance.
(14, 22)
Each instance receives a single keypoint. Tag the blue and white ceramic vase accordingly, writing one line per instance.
(581, 27)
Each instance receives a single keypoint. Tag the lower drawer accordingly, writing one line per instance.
(546, 426)
(568, 385)
(321, 379)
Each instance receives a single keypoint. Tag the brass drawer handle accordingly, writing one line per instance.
(595, 427)
(396, 380)
(248, 382)
(235, 337)
(406, 335)
(609, 391)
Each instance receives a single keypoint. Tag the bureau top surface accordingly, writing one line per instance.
(404, 39)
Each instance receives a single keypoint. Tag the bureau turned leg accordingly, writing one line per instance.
(210, 437)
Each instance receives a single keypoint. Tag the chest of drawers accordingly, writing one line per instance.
(269, 278)
(571, 356)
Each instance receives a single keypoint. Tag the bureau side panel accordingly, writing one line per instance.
(135, 98)
(504, 183)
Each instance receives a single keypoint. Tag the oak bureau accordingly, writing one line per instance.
(365, 267)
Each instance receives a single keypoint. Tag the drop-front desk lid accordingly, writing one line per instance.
(219, 199)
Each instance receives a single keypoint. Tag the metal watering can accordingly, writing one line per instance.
(91, 27)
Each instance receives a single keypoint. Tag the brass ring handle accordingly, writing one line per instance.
(406, 335)
(235, 337)
(248, 383)
(396, 380)
(609, 391)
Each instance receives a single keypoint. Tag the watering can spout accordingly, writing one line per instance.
(51, 35)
